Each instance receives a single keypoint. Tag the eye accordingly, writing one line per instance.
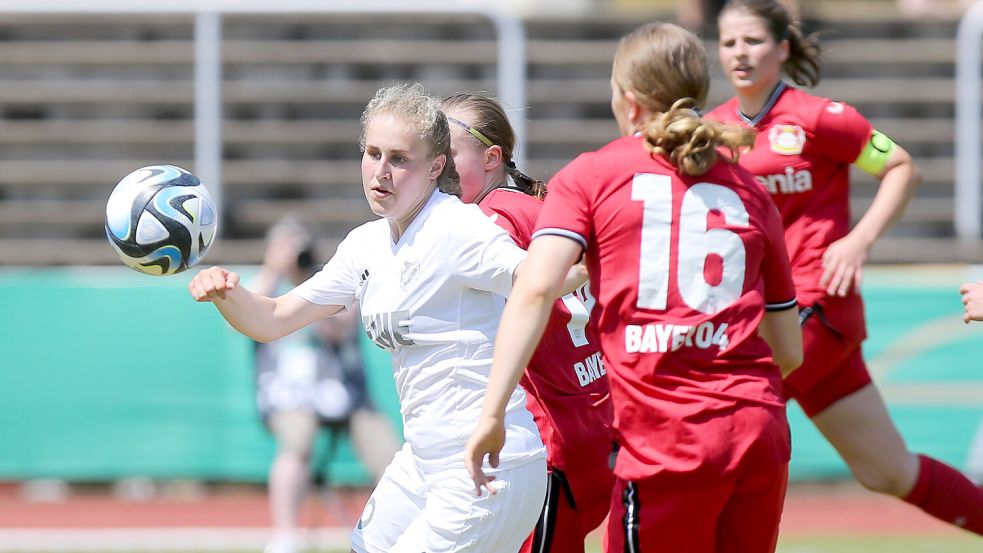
(398, 158)
(727, 43)
(373, 154)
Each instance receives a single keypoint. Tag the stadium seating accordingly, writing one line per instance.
(87, 99)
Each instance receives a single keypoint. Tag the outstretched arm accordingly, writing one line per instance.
(539, 283)
(843, 261)
(259, 317)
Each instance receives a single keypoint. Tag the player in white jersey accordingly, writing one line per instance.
(430, 279)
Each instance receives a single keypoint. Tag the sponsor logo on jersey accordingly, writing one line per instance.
(411, 270)
(835, 108)
(789, 182)
(787, 140)
(589, 369)
(661, 338)
(387, 329)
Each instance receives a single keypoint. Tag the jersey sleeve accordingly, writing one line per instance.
(567, 209)
(484, 256)
(841, 132)
(335, 283)
(776, 268)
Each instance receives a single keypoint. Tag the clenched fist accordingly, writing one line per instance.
(213, 284)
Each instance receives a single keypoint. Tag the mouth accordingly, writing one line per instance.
(742, 70)
(380, 192)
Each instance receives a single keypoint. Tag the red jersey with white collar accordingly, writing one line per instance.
(683, 269)
(566, 383)
(802, 156)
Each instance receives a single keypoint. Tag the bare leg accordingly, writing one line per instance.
(289, 476)
(861, 430)
(288, 485)
(374, 439)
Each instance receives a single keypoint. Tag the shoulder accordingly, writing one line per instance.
(612, 157)
(743, 182)
(366, 233)
(813, 107)
(459, 220)
(725, 112)
(510, 200)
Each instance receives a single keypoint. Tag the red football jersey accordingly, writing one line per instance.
(568, 392)
(683, 270)
(802, 156)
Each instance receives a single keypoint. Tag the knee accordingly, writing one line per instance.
(889, 478)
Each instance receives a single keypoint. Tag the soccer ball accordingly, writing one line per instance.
(160, 220)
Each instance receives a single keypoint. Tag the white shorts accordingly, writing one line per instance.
(421, 510)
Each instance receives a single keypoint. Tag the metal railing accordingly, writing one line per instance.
(967, 192)
(511, 63)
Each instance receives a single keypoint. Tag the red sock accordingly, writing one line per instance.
(947, 495)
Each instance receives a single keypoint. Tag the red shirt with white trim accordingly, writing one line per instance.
(566, 383)
(683, 269)
(802, 156)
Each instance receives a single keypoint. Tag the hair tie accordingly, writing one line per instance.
(510, 164)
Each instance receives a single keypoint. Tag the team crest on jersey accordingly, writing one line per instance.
(411, 270)
(835, 108)
(787, 139)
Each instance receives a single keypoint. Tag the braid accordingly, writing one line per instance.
(525, 183)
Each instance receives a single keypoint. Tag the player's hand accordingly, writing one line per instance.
(212, 284)
(843, 266)
(972, 298)
(488, 438)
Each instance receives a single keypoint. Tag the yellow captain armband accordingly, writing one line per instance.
(876, 152)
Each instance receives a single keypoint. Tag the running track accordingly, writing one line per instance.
(239, 519)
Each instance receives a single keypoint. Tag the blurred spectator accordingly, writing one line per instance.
(310, 379)
(917, 9)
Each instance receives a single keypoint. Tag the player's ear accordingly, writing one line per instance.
(493, 157)
(437, 166)
(634, 108)
(784, 48)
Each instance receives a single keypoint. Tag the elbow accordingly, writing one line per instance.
(788, 361)
(916, 178)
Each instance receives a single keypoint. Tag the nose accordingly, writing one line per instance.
(382, 169)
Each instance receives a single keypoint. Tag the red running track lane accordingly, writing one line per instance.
(809, 510)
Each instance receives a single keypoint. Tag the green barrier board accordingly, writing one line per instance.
(107, 373)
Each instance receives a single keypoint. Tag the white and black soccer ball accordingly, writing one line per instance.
(160, 220)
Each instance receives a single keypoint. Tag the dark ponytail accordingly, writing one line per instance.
(489, 120)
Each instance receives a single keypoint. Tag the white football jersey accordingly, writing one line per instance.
(434, 299)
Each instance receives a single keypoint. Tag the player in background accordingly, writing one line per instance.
(566, 386)
(802, 156)
(687, 262)
(972, 298)
(429, 278)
